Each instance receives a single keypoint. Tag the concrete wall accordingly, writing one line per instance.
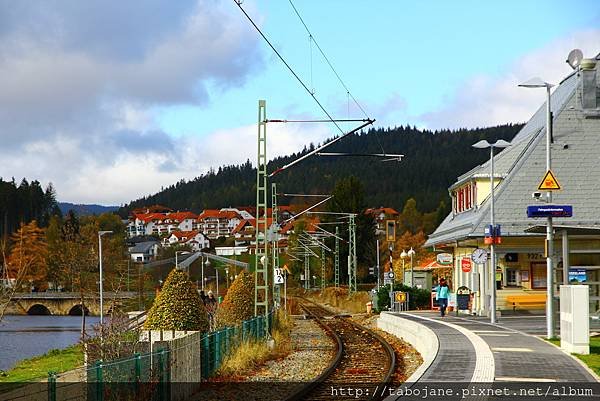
(422, 338)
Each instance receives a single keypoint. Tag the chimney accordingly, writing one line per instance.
(589, 89)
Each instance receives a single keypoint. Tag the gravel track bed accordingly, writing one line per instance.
(313, 350)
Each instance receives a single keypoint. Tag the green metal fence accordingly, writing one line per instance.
(147, 376)
(217, 345)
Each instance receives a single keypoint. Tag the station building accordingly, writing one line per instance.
(518, 170)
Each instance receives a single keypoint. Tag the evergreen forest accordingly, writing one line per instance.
(25, 202)
(432, 161)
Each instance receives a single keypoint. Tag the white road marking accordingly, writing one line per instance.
(500, 349)
(524, 379)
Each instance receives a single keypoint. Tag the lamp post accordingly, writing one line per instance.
(177, 262)
(411, 252)
(227, 276)
(403, 256)
(538, 83)
(100, 234)
(207, 264)
(492, 273)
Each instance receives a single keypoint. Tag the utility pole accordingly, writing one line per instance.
(337, 257)
(352, 255)
(306, 271)
(378, 283)
(261, 276)
(322, 268)
(275, 243)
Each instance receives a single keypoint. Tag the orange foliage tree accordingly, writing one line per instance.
(27, 259)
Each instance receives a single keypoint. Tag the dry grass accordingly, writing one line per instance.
(250, 355)
(339, 298)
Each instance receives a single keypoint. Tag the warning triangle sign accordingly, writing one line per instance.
(549, 182)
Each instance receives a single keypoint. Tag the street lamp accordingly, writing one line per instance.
(492, 273)
(411, 253)
(100, 234)
(176, 261)
(403, 256)
(227, 276)
(207, 264)
(538, 83)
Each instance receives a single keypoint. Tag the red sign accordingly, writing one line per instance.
(465, 264)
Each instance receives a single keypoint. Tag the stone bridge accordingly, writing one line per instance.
(63, 303)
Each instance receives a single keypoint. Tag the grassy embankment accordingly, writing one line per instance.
(36, 368)
(249, 355)
(593, 359)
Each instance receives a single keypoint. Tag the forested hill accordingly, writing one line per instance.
(24, 202)
(432, 161)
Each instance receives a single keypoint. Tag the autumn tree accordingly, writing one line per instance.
(27, 259)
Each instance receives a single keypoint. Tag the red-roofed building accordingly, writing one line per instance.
(195, 239)
(160, 223)
(219, 223)
(382, 214)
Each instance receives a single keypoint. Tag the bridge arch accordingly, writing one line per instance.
(77, 309)
(38, 309)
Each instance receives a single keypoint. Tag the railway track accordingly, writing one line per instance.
(364, 360)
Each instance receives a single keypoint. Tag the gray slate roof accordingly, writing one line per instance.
(576, 166)
(142, 247)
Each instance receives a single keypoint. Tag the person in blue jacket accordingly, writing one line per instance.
(441, 295)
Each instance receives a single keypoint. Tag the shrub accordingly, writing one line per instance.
(178, 306)
(238, 304)
(417, 298)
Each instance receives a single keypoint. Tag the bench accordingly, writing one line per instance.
(529, 300)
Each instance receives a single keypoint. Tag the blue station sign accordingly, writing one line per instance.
(550, 211)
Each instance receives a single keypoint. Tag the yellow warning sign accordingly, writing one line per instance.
(549, 182)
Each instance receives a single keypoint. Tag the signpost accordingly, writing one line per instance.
(278, 276)
(549, 182)
(465, 265)
(550, 211)
(463, 297)
(445, 259)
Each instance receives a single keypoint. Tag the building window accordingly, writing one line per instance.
(463, 198)
(538, 275)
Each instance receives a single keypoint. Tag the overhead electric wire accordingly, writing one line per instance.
(348, 93)
(311, 36)
(239, 4)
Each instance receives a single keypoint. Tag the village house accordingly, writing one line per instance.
(156, 223)
(194, 239)
(518, 170)
(219, 223)
(381, 215)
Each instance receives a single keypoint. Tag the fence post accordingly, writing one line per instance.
(99, 382)
(51, 386)
(217, 361)
(162, 375)
(204, 356)
(137, 359)
(244, 330)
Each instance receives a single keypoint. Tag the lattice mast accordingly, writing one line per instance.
(275, 243)
(261, 276)
(352, 255)
(336, 255)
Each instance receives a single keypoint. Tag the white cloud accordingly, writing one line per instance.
(80, 81)
(489, 100)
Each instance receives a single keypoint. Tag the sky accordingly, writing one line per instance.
(110, 101)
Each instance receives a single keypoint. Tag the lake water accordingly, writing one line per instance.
(26, 336)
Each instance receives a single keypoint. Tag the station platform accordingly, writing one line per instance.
(470, 349)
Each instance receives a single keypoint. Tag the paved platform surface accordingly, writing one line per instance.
(455, 347)
(517, 355)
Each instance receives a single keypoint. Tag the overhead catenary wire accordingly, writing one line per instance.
(239, 4)
(313, 40)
